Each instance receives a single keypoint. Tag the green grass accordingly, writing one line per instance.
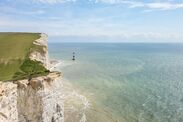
(14, 51)
(30, 68)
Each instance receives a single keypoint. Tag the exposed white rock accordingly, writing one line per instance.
(39, 56)
(40, 100)
(8, 102)
(37, 100)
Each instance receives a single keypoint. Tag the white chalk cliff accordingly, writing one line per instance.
(41, 56)
(37, 100)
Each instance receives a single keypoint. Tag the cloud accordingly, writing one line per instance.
(148, 5)
(159, 6)
(168, 5)
(36, 12)
(64, 32)
(94, 23)
(123, 37)
(18, 11)
(64, 29)
(53, 1)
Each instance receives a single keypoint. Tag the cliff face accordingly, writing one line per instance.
(40, 99)
(43, 55)
(8, 102)
(37, 100)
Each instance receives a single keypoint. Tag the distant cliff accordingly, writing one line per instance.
(36, 98)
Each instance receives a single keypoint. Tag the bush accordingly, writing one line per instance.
(30, 68)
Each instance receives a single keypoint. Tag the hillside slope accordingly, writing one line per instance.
(15, 51)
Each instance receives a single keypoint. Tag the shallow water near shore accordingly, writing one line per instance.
(126, 82)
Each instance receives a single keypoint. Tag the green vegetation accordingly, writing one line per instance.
(14, 51)
(30, 68)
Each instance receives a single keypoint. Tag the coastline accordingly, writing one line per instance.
(76, 104)
(79, 105)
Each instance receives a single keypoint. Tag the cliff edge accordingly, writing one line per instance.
(41, 56)
(35, 99)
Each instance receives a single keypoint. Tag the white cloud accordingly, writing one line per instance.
(164, 6)
(149, 5)
(62, 29)
(18, 11)
(157, 5)
(53, 1)
(29, 12)
(89, 25)
(160, 5)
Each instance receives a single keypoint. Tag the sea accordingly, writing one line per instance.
(126, 82)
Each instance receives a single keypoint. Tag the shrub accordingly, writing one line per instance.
(30, 69)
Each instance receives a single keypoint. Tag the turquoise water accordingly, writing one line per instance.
(130, 82)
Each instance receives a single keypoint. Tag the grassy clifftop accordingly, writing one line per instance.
(14, 56)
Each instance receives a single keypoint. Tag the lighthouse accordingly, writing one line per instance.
(73, 58)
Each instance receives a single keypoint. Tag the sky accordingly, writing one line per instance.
(96, 20)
